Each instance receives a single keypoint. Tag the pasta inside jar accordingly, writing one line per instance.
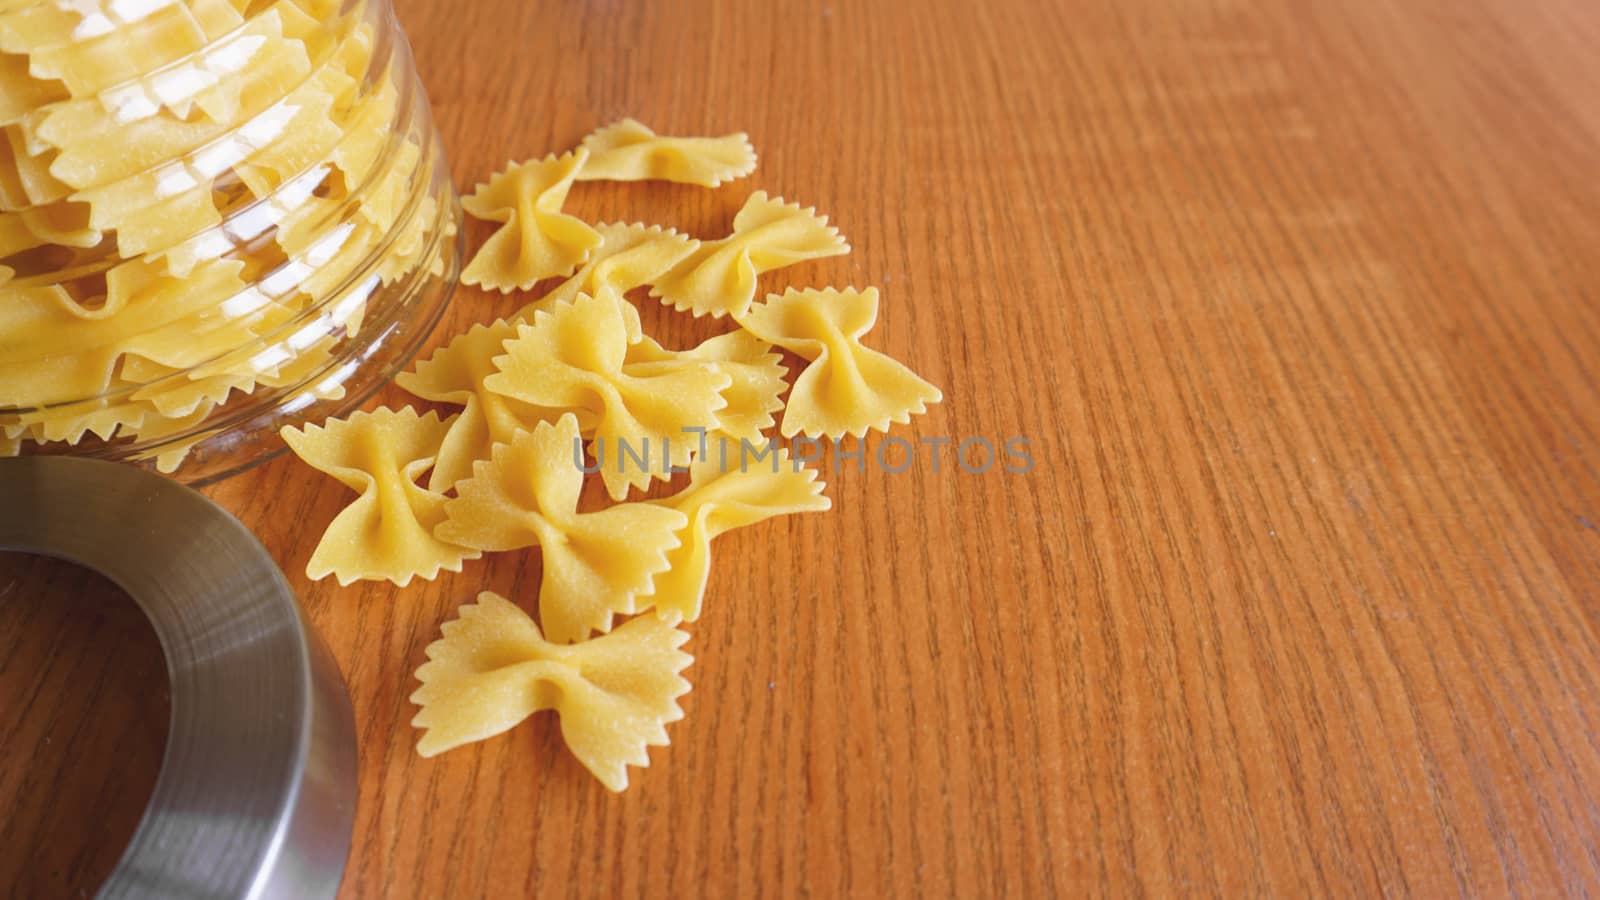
(216, 217)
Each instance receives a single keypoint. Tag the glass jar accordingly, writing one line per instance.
(217, 217)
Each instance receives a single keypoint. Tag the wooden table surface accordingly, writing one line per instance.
(1298, 305)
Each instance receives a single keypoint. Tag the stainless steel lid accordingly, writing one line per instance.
(257, 791)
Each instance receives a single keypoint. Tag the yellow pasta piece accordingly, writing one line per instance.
(596, 564)
(302, 209)
(305, 139)
(28, 24)
(628, 256)
(284, 364)
(53, 349)
(162, 430)
(96, 149)
(848, 388)
(628, 151)
(69, 424)
(440, 253)
(206, 79)
(128, 40)
(25, 177)
(370, 129)
(20, 92)
(182, 397)
(572, 358)
(755, 391)
(721, 497)
(455, 374)
(207, 336)
(99, 145)
(537, 240)
(34, 373)
(324, 266)
(278, 143)
(295, 134)
(387, 532)
(61, 224)
(160, 216)
(247, 224)
(719, 278)
(384, 200)
(404, 255)
(18, 431)
(409, 225)
(355, 55)
(491, 669)
(224, 313)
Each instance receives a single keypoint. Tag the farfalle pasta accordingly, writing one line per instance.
(556, 391)
(203, 205)
(536, 240)
(629, 151)
(719, 278)
(387, 533)
(573, 357)
(847, 388)
(597, 565)
(492, 668)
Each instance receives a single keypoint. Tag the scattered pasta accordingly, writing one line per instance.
(387, 533)
(556, 390)
(628, 151)
(597, 564)
(848, 388)
(719, 278)
(492, 668)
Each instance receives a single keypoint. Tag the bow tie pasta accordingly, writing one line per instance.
(492, 668)
(536, 240)
(596, 564)
(719, 278)
(630, 151)
(848, 388)
(564, 387)
(387, 532)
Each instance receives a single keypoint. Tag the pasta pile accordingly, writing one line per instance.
(198, 200)
(550, 394)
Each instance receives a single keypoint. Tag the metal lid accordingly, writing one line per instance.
(256, 795)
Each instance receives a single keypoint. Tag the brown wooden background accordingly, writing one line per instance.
(1299, 305)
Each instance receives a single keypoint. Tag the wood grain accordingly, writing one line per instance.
(1298, 305)
(83, 724)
